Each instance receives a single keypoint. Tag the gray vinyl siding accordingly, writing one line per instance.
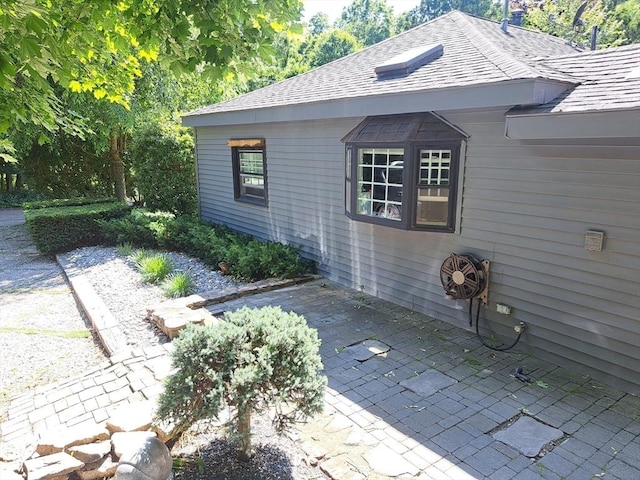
(525, 208)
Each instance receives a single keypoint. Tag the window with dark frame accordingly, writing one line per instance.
(402, 171)
(249, 170)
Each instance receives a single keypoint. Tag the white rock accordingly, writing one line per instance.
(51, 466)
(132, 417)
(91, 452)
(56, 440)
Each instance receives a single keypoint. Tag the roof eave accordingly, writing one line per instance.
(506, 94)
(615, 123)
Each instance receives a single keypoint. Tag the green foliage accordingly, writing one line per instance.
(18, 199)
(100, 47)
(177, 284)
(246, 257)
(66, 202)
(154, 267)
(331, 46)
(369, 21)
(57, 229)
(628, 13)
(134, 228)
(164, 165)
(430, 9)
(124, 249)
(64, 166)
(556, 18)
(258, 360)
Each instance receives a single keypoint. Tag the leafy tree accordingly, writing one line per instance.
(628, 13)
(430, 9)
(557, 17)
(256, 360)
(318, 24)
(100, 47)
(287, 62)
(162, 152)
(332, 45)
(369, 21)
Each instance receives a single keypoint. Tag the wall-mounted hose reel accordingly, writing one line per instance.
(464, 277)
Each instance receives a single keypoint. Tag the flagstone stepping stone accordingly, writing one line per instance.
(51, 466)
(385, 461)
(365, 350)
(528, 436)
(428, 382)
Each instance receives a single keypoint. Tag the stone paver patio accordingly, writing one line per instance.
(408, 397)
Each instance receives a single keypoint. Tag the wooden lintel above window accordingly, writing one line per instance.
(246, 142)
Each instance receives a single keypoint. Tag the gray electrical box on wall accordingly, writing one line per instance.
(593, 240)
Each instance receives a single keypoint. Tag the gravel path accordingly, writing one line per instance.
(117, 281)
(44, 338)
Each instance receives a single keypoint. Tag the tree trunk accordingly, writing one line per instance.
(244, 433)
(117, 165)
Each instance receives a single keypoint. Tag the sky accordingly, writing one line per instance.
(333, 8)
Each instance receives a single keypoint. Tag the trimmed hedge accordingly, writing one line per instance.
(17, 199)
(57, 229)
(66, 202)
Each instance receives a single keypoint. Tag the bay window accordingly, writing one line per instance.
(402, 171)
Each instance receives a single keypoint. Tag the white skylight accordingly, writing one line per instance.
(408, 61)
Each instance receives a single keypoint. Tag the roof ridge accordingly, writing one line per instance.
(484, 46)
(591, 53)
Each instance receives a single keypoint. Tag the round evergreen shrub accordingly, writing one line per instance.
(258, 360)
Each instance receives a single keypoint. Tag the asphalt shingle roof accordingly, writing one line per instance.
(476, 51)
(606, 81)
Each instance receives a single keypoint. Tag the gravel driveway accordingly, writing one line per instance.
(44, 338)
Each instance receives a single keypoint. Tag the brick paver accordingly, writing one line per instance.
(373, 425)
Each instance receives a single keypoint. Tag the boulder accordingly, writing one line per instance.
(123, 442)
(150, 461)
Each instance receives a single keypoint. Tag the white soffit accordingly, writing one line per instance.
(406, 62)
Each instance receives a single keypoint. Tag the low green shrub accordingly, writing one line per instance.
(57, 229)
(177, 284)
(67, 202)
(134, 228)
(18, 199)
(246, 257)
(258, 361)
(124, 249)
(155, 268)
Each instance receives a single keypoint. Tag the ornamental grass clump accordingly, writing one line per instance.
(257, 361)
(154, 267)
(177, 284)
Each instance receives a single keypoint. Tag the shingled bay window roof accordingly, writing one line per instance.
(416, 127)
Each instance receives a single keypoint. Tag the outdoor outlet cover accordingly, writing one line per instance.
(503, 309)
